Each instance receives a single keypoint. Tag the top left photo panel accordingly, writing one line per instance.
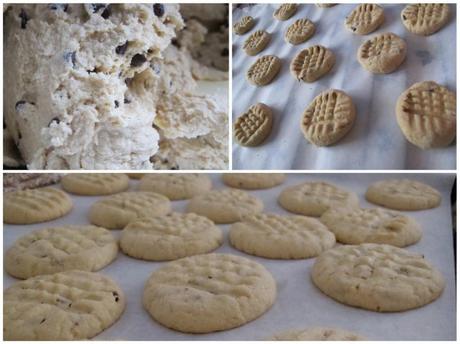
(115, 86)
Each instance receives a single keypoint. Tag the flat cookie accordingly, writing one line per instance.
(244, 25)
(382, 54)
(328, 118)
(314, 198)
(365, 18)
(207, 293)
(425, 19)
(300, 31)
(403, 194)
(176, 186)
(35, 205)
(264, 70)
(380, 278)
(116, 211)
(317, 334)
(72, 305)
(256, 42)
(253, 181)
(135, 175)
(95, 184)
(426, 113)
(57, 249)
(285, 11)
(170, 237)
(377, 225)
(312, 63)
(281, 237)
(325, 5)
(225, 206)
(253, 126)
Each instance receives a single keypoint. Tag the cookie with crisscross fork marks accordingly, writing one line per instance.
(365, 18)
(380, 278)
(253, 181)
(314, 198)
(35, 205)
(328, 118)
(94, 184)
(382, 54)
(285, 11)
(425, 19)
(256, 42)
(208, 293)
(312, 63)
(372, 225)
(427, 115)
(176, 186)
(264, 70)
(244, 25)
(299, 31)
(72, 305)
(58, 249)
(253, 127)
(317, 334)
(281, 237)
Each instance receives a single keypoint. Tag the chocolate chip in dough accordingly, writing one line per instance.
(158, 10)
(56, 7)
(138, 60)
(24, 18)
(121, 49)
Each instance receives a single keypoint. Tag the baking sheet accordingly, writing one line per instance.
(299, 303)
(375, 141)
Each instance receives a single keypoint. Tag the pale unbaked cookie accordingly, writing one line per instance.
(208, 293)
(264, 70)
(376, 225)
(135, 175)
(312, 63)
(314, 198)
(253, 126)
(285, 11)
(176, 186)
(281, 236)
(425, 19)
(95, 184)
(380, 278)
(403, 194)
(35, 205)
(257, 42)
(116, 211)
(253, 181)
(170, 237)
(58, 249)
(244, 25)
(427, 115)
(299, 31)
(72, 305)
(365, 18)
(325, 5)
(317, 334)
(225, 206)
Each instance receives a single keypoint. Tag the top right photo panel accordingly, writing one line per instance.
(344, 86)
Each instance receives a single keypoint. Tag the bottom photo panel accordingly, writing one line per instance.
(231, 256)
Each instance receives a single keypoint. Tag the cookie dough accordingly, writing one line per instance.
(95, 184)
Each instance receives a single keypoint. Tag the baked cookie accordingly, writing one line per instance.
(377, 225)
(135, 175)
(299, 31)
(328, 118)
(281, 237)
(382, 54)
(253, 126)
(256, 42)
(264, 70)
(116, 211)
(365, 18)
(244, 25)
(72, 305)
(380, 278)
(58, 249)
(427, 115)
(312, 63)
(35, 205)
(285, 11)
(403, 194)
(176, 186)
(317, 334)
(207, 293)
(325, 5)
(253, 181)
(170, 237)
(314, 198)
(425, 19)
(95, 184)
(225, 206)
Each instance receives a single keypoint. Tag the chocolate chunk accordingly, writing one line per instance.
(107, 12)
(71, 57)
(115, 295)
(117, 104)
(138, 60)
(175, 42)
(24, 18)
(126, 101)
(19, 105)
(56, 7)
(56, 120)
(158, 9)
(121, 49)
(224, 52)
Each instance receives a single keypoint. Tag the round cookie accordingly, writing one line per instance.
(281, 237)
(58, 249)
(312, 63)
(35, 205)
(377, 225)
(225, 206)
(135, 175)
(256, 42)
(403, 194)
(380, 278)
(253, 126)
(365, 18)
(425, 19)
(253, 181)
(208, 293)
(95, 184)
(116, 211)
(72, 305)
(170, 237)
(314, 198)
(264, 70)
(317, 334)
(299, 31)
(244, 25)
(176, 186)
(285, 11)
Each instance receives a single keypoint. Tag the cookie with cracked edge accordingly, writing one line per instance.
(254, 126)
(285, 11)
(264, 70)
(365, 18)
(425, 19)
(244, 25)
(312, 63)
(256, 42)
(300, 31)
